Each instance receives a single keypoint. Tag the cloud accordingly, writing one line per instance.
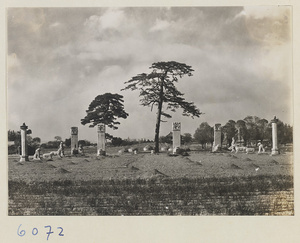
(261, 12)
(240, 15)
(269, 25)
(54, 25)
(111, 19)
(160, 25)
(13, 61)
(61, 70)
(276, 63)
(31, 21)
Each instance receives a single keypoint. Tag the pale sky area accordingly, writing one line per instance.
(60, 59)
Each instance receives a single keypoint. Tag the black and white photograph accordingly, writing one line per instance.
(149, 121)
(150, 111)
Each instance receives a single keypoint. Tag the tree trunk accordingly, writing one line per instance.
(158, 119)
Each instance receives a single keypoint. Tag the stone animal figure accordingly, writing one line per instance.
(240, 149)
(233, 145)
(48, 155)
(250, 150)
(58, 153)
(244, 149)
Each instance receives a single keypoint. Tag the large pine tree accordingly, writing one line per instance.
(158, 88)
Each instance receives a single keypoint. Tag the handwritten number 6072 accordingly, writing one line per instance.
(35, 231)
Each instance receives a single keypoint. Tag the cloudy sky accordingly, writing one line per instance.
(60, 59)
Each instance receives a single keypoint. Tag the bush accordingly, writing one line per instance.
(182, 151)
(12, 149)
(51, 144)
(116, 141)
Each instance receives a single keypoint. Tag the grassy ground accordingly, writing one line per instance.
(146, 165)
(149, 184)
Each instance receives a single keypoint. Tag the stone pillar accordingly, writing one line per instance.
(217, 138)
(274, 137)
(24, 149)
(176, 127)
(101, 140)
(74, 139)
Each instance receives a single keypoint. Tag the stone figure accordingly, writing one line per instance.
(74, 150)
(233, 145)
(216, 148)
(261, 148)
(61, 146)
(60, 151)
(80, 149)
(37, 154)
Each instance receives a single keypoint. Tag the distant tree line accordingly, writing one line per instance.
(117, 141)
(248, 131)
(251, 130)
(186, 138)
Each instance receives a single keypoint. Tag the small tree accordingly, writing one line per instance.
(84, 142)
(229, 131)
(166, 139)
(282, 132)
(251, 123)
(57, 138)
(187, 138)
(158, 88)
(12, 135)
(262, 126)
(204, 134)
(68, 142)
(242, 129)
(36, 140)
(105, 109)
(117, 141)
(288, 134)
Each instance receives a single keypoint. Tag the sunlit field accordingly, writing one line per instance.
(200, 183)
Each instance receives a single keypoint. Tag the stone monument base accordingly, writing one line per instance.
(24, 158)
(274, 152)
(101, 152)
(216, 148)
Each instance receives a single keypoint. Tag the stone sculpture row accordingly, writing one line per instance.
(176, 131)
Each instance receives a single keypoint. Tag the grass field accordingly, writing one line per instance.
(202, 183)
